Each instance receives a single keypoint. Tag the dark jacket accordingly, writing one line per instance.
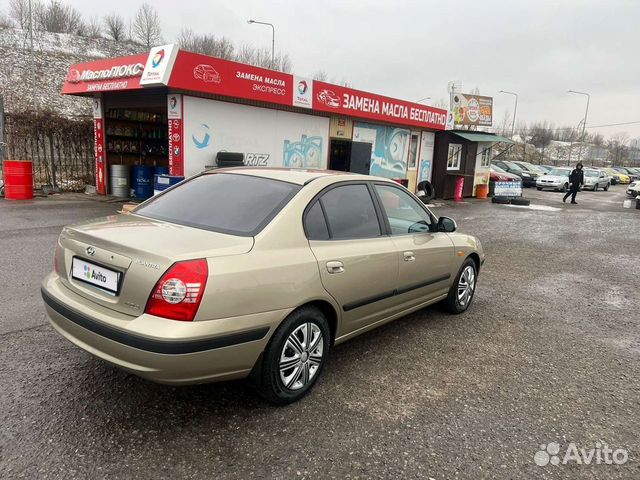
(576, 177)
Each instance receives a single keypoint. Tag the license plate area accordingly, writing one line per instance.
(98, 276)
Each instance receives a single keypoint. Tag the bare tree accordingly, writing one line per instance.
(115, 27)
(19, 11)
(618, 150)
(321, 76)
(146, 26)
(206, 44)
(5, 21)
(93, 28)
(57, 17)
(261, 57)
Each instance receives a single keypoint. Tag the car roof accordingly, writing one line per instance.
(292, 175)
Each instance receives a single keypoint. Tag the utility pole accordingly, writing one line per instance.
(33, 60)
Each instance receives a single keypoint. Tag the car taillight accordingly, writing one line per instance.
(178, 293)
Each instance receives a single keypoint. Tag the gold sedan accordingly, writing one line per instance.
(254, 273)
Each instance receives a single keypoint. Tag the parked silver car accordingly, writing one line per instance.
(556, 179)
(594, 179)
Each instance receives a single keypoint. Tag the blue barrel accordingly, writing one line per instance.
(161, 170)
(142, 181)
(162, 182)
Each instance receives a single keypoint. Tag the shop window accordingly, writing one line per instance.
(455, 154)
(413, 151)
(485, 159)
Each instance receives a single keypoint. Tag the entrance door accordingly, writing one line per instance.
(360, 157)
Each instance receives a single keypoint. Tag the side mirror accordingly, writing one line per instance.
(446, 224)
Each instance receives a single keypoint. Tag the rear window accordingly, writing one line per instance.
(227, 203)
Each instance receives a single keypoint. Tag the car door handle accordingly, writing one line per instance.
(409, 256)
(335, 267)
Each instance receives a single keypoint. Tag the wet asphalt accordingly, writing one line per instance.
(548, 352)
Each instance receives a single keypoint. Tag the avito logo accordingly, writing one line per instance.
(205, 137)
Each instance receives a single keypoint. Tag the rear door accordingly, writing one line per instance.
(425, 256)
(358, 264)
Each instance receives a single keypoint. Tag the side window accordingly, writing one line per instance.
(314, 223)
(404, 213)
(485, 160)
(453, 159)
(350, 212)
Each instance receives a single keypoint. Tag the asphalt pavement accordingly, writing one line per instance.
(548, 352)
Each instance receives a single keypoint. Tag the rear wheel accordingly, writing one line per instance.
(565, 187)
(595, 187)
(606, 188)
(294, 357)
(463, 289)
(539, 188)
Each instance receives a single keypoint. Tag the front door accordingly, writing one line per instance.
(358, 265)
(360, 158)
(424, 255)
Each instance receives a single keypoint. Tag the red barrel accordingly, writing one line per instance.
(18, 179)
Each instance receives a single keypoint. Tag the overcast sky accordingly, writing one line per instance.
(410, 50)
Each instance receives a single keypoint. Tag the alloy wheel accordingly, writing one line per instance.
(301, 356)
(466, 285)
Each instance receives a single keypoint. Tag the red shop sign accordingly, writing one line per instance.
(105, 75)
(201, 73)
(356, 103)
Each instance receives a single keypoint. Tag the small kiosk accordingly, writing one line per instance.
(175, 111)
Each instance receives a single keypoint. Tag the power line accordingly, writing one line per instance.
(574, 128)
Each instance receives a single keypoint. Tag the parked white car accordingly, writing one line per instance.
(594, 179)
(634, 188)
(556, 179)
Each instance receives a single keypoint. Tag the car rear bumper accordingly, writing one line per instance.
(190, 356)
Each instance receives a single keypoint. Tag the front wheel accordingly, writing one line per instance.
(595, 187)
(539, 188)
(294, 357)
(606, 188)
(565, 187)
(464, 287)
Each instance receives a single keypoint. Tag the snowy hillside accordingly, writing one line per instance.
(54, 53)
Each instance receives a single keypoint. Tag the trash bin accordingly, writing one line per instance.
(482, 190)
(457, 197)
(18, 176)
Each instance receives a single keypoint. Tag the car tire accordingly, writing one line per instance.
(565, 187)
(606, 188)
(458, 300)
(428, 192)
(595, 187)
(283, 385)
(520, 201)
(539, 188)
(500, 200)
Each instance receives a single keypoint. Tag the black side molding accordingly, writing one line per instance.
(399, 291)
(171, 347)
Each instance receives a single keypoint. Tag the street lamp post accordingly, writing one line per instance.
(423, 99)
(584, 122)
(515, 109)
(513, 124)
(273, 40)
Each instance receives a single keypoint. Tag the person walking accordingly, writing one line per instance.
(576, 180)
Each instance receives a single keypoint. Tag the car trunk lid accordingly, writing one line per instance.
(123, 256)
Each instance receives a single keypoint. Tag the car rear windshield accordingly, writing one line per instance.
(230, 203)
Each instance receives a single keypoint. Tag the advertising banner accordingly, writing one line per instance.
(266, 137)
(176, 134)
(508, 189)
(389, 148)
(469, 109)
(201, 73)
(99, 147)
(159, 65)
(302, 92)
(427, 142)
(347, 101)
(105, 75)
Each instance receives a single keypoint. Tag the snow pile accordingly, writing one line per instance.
(54, 53)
